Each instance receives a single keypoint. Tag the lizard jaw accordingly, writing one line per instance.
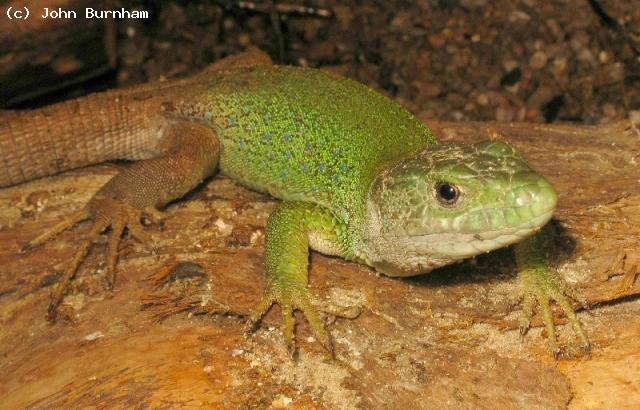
(465, 245)
(419, 254)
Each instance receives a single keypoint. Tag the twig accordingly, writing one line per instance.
(613, 24)
(284, 8)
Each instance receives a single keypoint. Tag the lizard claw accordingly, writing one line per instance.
(154, 216)
(105, 213)
(542, 285)
(290, 299)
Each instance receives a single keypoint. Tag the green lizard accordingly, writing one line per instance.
(358, 175)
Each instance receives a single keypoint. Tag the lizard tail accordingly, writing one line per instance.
(72, 134)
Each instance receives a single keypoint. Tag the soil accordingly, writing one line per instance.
(525, 60)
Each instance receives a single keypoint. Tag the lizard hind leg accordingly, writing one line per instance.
(191, 155)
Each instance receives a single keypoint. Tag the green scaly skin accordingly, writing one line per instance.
(359, 178)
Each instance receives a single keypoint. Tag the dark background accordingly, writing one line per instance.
(524, 60)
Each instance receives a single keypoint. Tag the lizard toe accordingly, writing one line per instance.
(541, 288)
(104, 213)
(58, 294)
(289, 300)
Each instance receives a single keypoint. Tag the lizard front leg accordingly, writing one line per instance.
(191, 155)
(541, 284)
(289, 229)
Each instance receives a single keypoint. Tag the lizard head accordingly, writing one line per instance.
(450, 202)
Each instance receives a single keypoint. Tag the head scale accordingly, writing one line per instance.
(452, 201)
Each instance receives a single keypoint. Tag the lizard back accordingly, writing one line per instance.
(305, 134)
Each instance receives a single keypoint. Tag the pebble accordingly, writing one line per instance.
(510, 65)
(473, 4)
(504, 114)
(428, 49)
(586, 55)
(538, 60)
(482, 99)
(615, 72)
(604, 57)
(559, 66)
(437, 40)
(94, 336)
(609, 110)
(281, 402)
(518, 15)
(542, 95)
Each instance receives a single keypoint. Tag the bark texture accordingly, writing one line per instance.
(448, 339)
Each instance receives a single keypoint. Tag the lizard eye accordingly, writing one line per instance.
(446, 193)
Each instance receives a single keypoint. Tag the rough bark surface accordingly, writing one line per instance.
(444, 340)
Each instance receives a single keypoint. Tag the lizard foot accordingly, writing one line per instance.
(290, 298)
(541, 285)
(104, 212)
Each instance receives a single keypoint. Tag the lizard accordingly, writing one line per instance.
(358, 176)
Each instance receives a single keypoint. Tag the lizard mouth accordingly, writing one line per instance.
(460, 245)
(417, 254)
(490, 240)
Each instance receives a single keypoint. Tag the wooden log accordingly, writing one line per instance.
(443, 340)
